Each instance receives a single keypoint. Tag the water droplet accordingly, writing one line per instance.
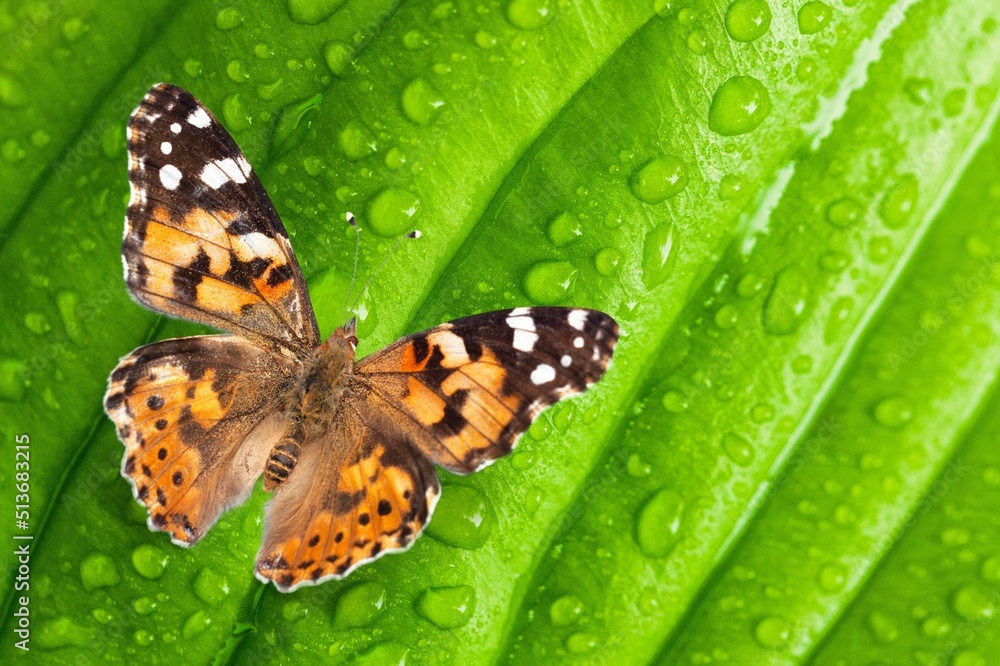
(528, 14)
(338, 56)
(834, 262)
(772, 632)
(395, 158)
(894, 412)
(659, 179)
(845, 212)
(658, 525)
(12, 93)
(972, 603)
(637, 467)
(786, 304)
(549, 282)
(210, 587)
(143, 605)
(990, 570)
(356, 141)
(839, 314)
(882, 627)
(581, 643)
(608, 260)
(414, 40)
(814, 16)
(674, 402)
(533, 499)
(899, 202)
(832, 577)
(12, 380)
(447, 607)
(60, 632)
(968, 658)
(726, 317)
(192, 68)
(97, 570)
(40, 138)
(74, 29)
(732, 186)
(879, 249)
(392, 212)
(235, 114)
(311, 12)
(953, 102)
(566, 610)
(463, 518)
(739, 450)
(13, 151)
(149, 561)
(196, 624)
(658, 254)
(698, 42)
(739, 106)
(663, 8)
(360, 605)
(562, 416)
(746, 20)
(292, 125)
(919, 90)
(228, 18)
(421, 101)
(391, 653)
(268, 91)
(935, 627)
(485, 40)
(564, 229)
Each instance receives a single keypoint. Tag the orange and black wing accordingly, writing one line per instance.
(198, 418)
(466, 390)
(360, 492)
(202, 239)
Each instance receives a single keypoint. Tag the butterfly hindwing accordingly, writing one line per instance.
(202, 239)
(361, 492)
(464, 391)
(198, 416)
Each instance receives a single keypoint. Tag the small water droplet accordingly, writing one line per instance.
(739, 106)
(990, 570)
(149, 561)
(528, 14)
(786, 304)
(747, 20)
(447, 607)
(393, 212)
(338, 56)
(522, 460)
(674, 402)
(235, 114)
(12, 93)
(13, 382)
(814, 16)
(13, 151)
(834, 262)
(533, 499)
(566, 610)
(421, 101)
(292, 125)
(732, 186)
(637, 467)
(311, 12)
(564, 229)
(196, 624)
(658, 524)
(659, 252)
(97, 570)
(919, 90)
(60, 632)
(360, 605)
(739, 450)
(972, 603)
(772, 632)
(549, 282)
(74, 28)
(698, 42)
(726, 317)
(143, 605)
(839, 315)
(899, 202)
(463, 518)
(659, 179)
(212, 588)
(845, 212)
(581, 643)
(882, 627)
(228, 18)
(832, 577)
(608, 261)
(485, 40)
(192, 68)
(894, 412)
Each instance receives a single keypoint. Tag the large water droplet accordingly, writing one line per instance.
(463, 518)
(393, 211)
(421, 101)
(549, 282)
(210, 587)
(564, 229)
(360, 605)
(786, 304)
(528, 14)
(899, 202)
(447, 607)
(814, 16)
(566, 610)
(659, 179)
(311, 12)
(658, 253)
(658, 524)
(356, 141)
(235, 114)
(746, 20)
(739, 106)
(608, 261)
(97, 570)
(149, 561)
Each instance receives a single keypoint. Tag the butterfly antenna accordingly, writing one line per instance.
(413, 234)
(357, 251)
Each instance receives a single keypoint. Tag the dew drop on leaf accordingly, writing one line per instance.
(421, 101)
(463, 518)
(968, 658)
(738, 106)
(143, 605)
(149, 561)
(212, 588)
(893, 412)
(522, 460)
(658, 524)
(356, 141)
(528, 14)
(674, 402)
(837, 322)
(392, 212)
(746, 20)
(566, 610)
(832, 577)
(731, 186)
(580, 643)
(235, 114)
(659, 179)
(97, 570)
(607, 261)
(899, 202)
(637, 467)
(814, 16)
(196, 624)
(786, 304)
(658, 255)
(338, 56)
(845, 212)
(564, 229)
(12, 93)
(533, 499)
(60, 632)
(12, 380)
(990, 569)
(970, 602)
(772, 632)
(311, 12)
(447, 607)
(738, 449)
(698, 42)
(549, 282)
(882, 627)
(13, 151)
(228, 18)
(293, 611)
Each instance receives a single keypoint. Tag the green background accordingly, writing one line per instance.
(791, 209)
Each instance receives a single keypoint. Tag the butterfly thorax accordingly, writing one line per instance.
(313, 405)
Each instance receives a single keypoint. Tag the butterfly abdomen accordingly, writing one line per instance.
(283, 457)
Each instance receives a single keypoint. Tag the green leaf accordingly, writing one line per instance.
(790, 210)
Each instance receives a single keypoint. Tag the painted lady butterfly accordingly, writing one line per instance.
(346, 447)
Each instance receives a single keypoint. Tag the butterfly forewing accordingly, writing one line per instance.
(466, 390)
(202, 239)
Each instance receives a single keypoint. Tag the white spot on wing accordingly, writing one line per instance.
(199, 118)
(566, 360)
(522, 322)
(520, 312)
(165, 147)
(578, 342)
(232, 170)
(175, 128)
(241, 162)
(170, 176)
(597, 353)
(543, 374)
(213, 176)
(524, 340)
(577, 319)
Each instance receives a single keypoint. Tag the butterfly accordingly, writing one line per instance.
(346, 447)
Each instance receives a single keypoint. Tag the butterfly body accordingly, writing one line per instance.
(345, 446)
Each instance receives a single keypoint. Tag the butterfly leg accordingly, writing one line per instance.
(284, 456)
